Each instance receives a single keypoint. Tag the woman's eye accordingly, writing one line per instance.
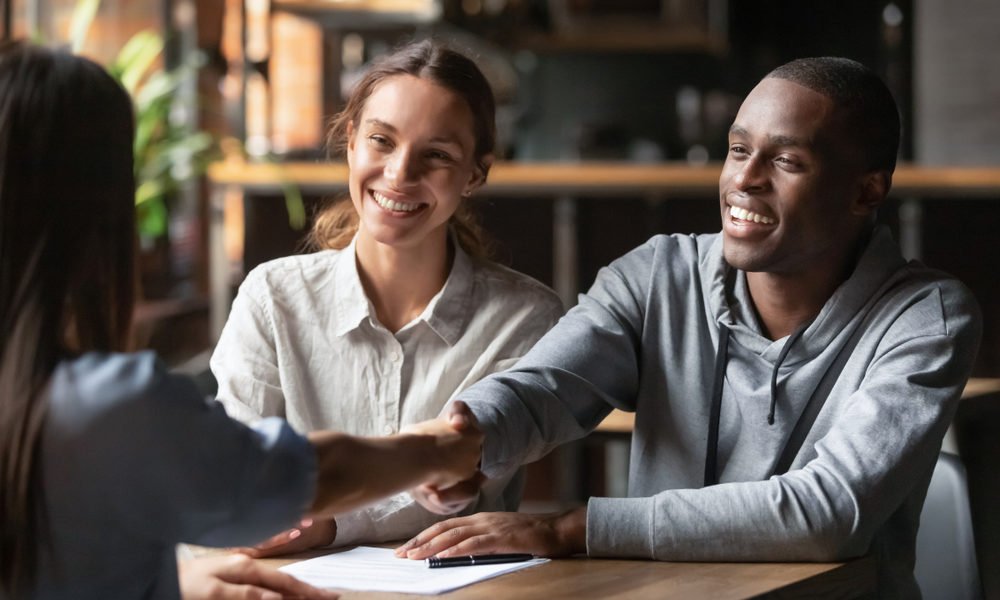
(738, 150)
(439, 155)
(378, 140)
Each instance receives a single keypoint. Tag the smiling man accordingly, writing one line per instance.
(792, 377)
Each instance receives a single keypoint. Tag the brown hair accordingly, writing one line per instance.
(337, 223)
(66, 259)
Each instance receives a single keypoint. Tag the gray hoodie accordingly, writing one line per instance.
(861, 399)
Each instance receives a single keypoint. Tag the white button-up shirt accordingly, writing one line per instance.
(303, 342)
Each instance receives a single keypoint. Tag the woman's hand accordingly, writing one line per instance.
(353, 471)
(558, 534)
(308, 535)
(239, 577)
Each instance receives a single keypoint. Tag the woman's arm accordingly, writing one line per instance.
(353, 471)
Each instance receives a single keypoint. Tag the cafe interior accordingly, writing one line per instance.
(612, 124)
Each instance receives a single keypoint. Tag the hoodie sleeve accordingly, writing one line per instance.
(875, 456)
(585, 366)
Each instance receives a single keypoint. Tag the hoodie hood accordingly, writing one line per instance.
(758, 373)
(730, 303)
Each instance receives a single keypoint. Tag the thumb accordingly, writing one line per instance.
(460, 416)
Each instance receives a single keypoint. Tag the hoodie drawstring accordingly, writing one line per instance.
(711, 475)
(777, 365)
(721, 358)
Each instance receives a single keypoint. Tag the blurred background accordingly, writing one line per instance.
(612, 128)
(633, 82)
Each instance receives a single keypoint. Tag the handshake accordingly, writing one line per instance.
(459, 442)
(436, 460)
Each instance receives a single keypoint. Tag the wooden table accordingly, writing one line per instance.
(646, 579)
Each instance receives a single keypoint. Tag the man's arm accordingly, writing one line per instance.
(842, 490)
(864, 468)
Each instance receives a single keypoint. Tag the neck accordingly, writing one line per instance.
(401, 282)
(785, 301)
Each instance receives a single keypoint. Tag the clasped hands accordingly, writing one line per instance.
(451, 484)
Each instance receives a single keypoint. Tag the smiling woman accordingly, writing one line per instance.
(464, 106)
(399, 309)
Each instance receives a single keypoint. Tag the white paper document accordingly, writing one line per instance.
(378, 570)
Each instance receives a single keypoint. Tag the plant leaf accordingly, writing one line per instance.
(79, 25)
(135, 58)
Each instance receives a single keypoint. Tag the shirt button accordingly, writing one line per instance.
(388, 430)
(394, 356)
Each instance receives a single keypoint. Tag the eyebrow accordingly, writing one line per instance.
(448, 139)
(777, 140)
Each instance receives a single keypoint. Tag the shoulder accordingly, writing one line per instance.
(676, 251)
(931, 302)
(664, 262)
(497, 283)
(289, 274)
(99, 390)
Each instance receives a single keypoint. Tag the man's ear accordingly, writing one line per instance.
(479, 174)
(873, 191)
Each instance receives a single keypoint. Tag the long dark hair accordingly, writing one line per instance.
(428, 59)
(67, 246)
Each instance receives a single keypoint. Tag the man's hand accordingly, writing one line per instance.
(449, 499)
(558, 534)
(459, 444)
(238, 577)
(308, 535)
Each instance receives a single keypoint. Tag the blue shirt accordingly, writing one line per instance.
(135, 461)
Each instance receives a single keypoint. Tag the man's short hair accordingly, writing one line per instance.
(871, 111)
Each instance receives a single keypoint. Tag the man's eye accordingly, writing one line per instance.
(737, 150)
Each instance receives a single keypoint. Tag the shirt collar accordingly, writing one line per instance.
(450, 309)
(350, 303)
(446, 314)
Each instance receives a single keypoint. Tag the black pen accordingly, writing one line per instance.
(483, 559)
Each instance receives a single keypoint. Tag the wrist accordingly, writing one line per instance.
(571, 531)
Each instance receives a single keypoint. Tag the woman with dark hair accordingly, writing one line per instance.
(106, 460)
(399, 309)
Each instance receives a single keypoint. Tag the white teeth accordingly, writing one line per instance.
(393, 205)
(745, 215)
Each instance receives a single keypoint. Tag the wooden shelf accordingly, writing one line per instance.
(619, 38)
(601, 179)
(362, 13)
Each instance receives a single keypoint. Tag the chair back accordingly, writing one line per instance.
(946, 553)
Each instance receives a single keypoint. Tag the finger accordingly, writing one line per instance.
(279, 540)
(244, 592)
(437, 545)
(430, 533)
(286, 585)
(480, 544)
(297, 545)
(436, 505)
(460, 416)
(462, 492)
(427, 496)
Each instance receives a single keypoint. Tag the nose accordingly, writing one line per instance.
(401, 168)
(751, 174)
